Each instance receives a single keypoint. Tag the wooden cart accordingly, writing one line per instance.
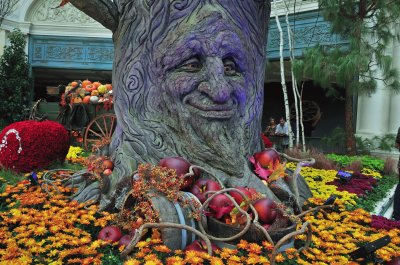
(97, 126)
(92, 121)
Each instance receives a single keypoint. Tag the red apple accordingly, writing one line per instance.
(178, 163)
(110, 233)
(266, 157)
(125, 240)
(181, 167)
(203, 185)
(248, 192)
(220, 205)
(266, 210)
(108, 164)
(107, 172)
(200, 245)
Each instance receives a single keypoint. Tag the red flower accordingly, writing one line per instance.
(380, 222)
(266, 141)
(29, 145)
(359, 184)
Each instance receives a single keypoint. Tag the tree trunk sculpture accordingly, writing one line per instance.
(188, 81)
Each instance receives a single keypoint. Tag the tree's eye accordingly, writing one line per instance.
(230, 67)
(191, 65)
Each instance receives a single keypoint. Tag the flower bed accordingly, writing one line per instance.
(40, 227)
(358, 184)
(37, 227)
(24, 145)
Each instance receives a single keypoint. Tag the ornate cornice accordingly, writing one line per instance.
(293, 6)
(43, 11)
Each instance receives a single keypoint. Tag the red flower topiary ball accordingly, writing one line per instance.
(29, 145)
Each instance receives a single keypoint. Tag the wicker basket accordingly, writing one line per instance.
(278, 229)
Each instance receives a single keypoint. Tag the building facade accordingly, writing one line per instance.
(64, 44)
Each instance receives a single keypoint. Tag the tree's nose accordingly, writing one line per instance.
(217, 87)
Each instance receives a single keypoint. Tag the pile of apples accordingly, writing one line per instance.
(88, 92)
(221, 205)
(107, 166)
(113, 234)
(100, 164)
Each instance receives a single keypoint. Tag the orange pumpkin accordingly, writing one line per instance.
(77, 100)
(89, 88)
(109, 86)
(74, 84)
(96, 84)
(86, 100)
(86, 82)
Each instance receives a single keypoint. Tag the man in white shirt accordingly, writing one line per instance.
(282, 130)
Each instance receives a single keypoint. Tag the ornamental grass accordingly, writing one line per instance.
(39, 227)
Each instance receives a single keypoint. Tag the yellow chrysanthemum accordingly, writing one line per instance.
(132, 262)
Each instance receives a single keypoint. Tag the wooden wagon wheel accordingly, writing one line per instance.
(99, 129)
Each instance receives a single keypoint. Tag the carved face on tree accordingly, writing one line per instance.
(205, 87)
(189, 78)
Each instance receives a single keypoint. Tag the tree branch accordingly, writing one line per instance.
(342, 11)
(103, 11)
(362, 7)
(372, 7)
(6, 8)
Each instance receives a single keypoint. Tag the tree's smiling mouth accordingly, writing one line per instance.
(211, 109)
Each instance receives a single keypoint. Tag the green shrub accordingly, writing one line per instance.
(10, 177)
(366, 161)
(385, 143)
(15, 83)
(368, 203)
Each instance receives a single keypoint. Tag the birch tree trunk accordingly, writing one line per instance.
(283, 82)
(300, 95)
(296, 94)
(294, 82)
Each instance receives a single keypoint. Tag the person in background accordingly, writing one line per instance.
(396, 202)
(270, 130)
(282, 130)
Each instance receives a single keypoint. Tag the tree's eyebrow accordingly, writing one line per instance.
(182, 49)
(238, 57)
(174, 57)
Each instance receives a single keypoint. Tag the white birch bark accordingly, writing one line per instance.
(296, 94)
(294, 82)
(300, 95)
(283, 82)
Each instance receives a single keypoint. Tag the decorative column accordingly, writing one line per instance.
(373, 112)
(394, 111)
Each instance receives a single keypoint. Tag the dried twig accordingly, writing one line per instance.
(139, 232)
(306, 226)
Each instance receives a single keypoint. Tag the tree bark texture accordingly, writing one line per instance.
(188, 81)
(350, 137)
